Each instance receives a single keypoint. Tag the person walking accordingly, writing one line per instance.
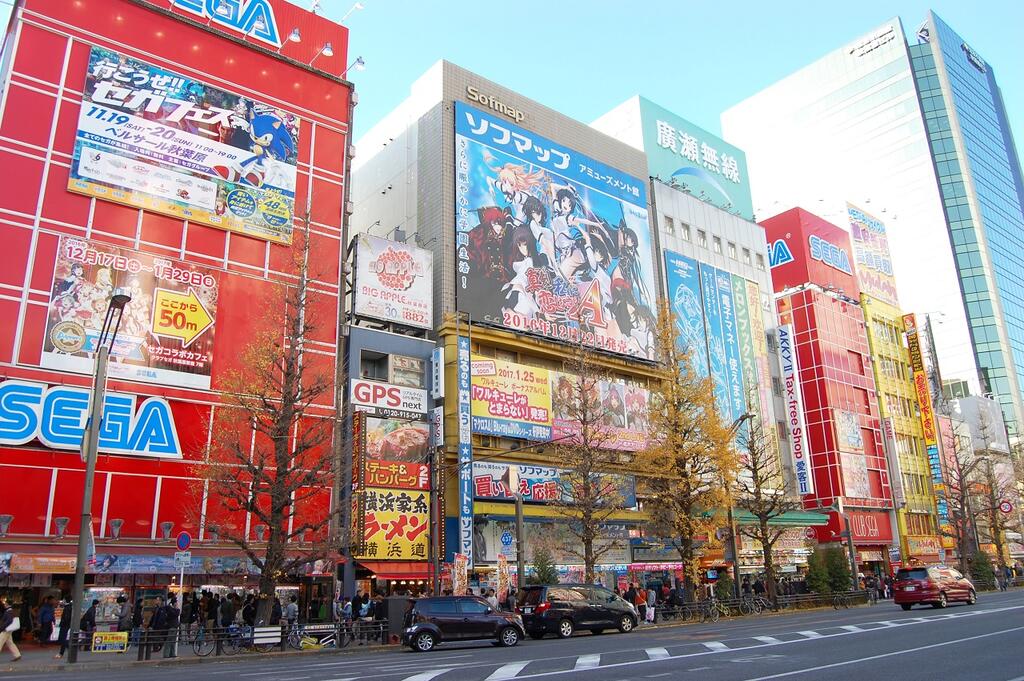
(158, 626)
(64, 630)
(492, 600)
(641, 602)
(652, 595)
(291, 612)
(276, 611)
(227, 611)
(8, 625)
(124, 614)
(173, 623)
(47, 618)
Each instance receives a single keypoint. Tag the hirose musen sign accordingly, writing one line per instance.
(795, 409)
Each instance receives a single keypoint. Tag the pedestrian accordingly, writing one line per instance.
(275, 612)
(759, 587)
(124, 614)
(745, 588)
(491, 599)
(63, 630)
(641, 602)
(137, 621)
(291, 612)
(346, 611)
(652, 595)
(8, 625)
(227, 611)
(249, 611)
(380, 617)
(1007, 576)
(173, 623)
(47, 618)
(158, 626)
(87, 625)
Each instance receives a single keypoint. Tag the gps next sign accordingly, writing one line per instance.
(803, 248)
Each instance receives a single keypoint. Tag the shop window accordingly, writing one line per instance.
(373, 365)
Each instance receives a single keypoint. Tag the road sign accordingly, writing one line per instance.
(1006, 507)
(809, 533)
(506, 538)
(180, 315)
(182, 559)
(184, 541)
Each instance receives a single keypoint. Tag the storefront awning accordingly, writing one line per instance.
(397, 569)
(788, 519)
(508, 510)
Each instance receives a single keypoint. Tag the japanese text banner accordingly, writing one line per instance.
(395, 524)
(511, 400)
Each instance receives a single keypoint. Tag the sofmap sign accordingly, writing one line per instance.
(254, 18)
(56, 416)
(795, 409)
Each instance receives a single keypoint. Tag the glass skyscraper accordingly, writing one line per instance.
(918, 132)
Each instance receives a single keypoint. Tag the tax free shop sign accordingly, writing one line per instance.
(57, 415)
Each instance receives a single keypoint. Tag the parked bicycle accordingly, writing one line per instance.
(316, 636)
(237, 639)
(840, 599)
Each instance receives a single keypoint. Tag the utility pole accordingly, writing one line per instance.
(520, 542)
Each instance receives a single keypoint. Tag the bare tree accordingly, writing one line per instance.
(270, 454)
(589, 494)
(960, 471)
(689, 456)
(761, 491)
(993, 484)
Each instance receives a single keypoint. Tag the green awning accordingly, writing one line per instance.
(788, 519)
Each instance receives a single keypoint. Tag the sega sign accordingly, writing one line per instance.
(385, 399)
(56, 416)
(830, 254)
(254, 18)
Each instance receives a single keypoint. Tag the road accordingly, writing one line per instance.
(982, 642)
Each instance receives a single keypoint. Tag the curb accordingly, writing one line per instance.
(191, 660)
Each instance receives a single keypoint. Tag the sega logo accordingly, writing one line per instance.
(252, 17)
(830, 254)
(56, 416)
(386, 396)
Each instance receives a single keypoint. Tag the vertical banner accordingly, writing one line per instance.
(743, 313)
(683, 281)
(717, 359)
(465, 455)
(733, 362)
(899, 496)
(503, 578)
(795, 410)
(764, 374)
(460, 574)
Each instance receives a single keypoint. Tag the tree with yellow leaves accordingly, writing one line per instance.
(690, 464)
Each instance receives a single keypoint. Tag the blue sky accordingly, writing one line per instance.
(695, 58)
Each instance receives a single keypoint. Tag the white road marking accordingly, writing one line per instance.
(656, 653)
(716, 645)
(810, 634)
(507, 671)
(767, 639)
(851, 627)
(427, 676)
(587, 662)
(884, 655)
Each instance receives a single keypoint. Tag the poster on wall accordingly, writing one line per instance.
(495, 481)
(167, 333)
(871, 249)
(623, 412)
(718, 358)
(155, 139)
(394, 282)
(551, 242)
(684, 297)
(511, 400)
(855, 475)
(395, 524)
(848, 432)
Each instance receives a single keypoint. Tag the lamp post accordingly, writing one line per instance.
(90, 443)
(733, 429)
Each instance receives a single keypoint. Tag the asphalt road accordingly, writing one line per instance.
(984, 642)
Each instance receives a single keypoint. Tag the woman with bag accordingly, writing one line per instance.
(9, 624)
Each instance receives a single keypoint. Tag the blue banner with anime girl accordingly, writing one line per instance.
(550, 242)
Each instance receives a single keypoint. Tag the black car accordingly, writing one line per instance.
(563, 608)
(458, 618)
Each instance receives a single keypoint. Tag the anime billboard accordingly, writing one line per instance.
(684, 297)
(154, 139)
(551, 242)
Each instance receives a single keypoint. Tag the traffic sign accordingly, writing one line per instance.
(809, 533)
(184, 541)
(1006, 507)
(180, 315)
(182, 559)
(506, 538)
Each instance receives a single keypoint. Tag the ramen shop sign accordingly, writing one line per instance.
(386, 399)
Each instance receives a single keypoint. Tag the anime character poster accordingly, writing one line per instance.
(684, 296)
(623, 411)
(730, 337)
(167, 330)
(154, 139)
(551, 242)
(718, 358)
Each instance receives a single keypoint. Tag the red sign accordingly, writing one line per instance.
(396, 474)
(1005, 506)
(805, 248)
(870, 527)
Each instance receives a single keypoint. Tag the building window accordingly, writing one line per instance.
(670, 226)
(718, 245)
(407, 371)
(776, 386)
(732, 250)
(773, 345)
(702, 238)
(760, 261)
(746, 256)
(373, 365)
(684, 231)
(783, 430)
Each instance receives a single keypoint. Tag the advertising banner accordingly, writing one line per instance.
(396, 524)
(871, 249)
(848, 433)
(460, 574)
(855, 475)
(683, 154)
(166, 335)
(109, 641)
(733, 365)
(899, 496)
(511, 400)
(387, 399)
(390, 452)
(494, 481)
(464, 382)
(550, 242)
(745, 342)
(718, 359)
(154, 139)
(549, 533)
(763, 377)
(684, 296)
(623, 412)
(793, 398)
(394, 282)
(503, 578)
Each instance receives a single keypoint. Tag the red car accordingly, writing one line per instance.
(936, 585)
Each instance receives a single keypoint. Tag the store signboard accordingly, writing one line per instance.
(550, 242)
(793, 399)
(394, 282)
(511, 400)
(685, 299)
(499, 481)
(387, 399)
(464, 383)
(167, 330)
(396, 524)
(155, 139)
(871, 248)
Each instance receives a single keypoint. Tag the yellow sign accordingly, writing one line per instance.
(110, 641)
(511, 400)
(180, 315)
(395, 524)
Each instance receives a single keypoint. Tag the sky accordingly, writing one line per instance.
(583, 57)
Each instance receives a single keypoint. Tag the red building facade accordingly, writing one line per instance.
(128, 137)
(817, 298)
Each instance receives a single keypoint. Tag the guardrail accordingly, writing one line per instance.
(732, 606)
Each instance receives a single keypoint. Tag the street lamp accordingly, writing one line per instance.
(90, 443)
(733, 429)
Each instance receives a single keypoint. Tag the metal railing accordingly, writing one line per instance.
(697, 611)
